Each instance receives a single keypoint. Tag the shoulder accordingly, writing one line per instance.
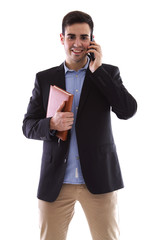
(110, 68)
(49, 72)
(107, 69)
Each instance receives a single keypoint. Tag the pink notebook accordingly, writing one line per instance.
(56, 97)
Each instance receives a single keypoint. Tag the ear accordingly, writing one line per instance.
(62, 38)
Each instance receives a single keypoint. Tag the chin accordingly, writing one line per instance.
(79, 59)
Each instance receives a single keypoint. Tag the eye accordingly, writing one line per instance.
(84, 37)
(71, 37)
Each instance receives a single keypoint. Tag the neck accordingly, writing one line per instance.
(76, 65)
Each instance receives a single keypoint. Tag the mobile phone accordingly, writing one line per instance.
(92, 57)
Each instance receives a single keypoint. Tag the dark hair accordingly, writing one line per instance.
(76, 17)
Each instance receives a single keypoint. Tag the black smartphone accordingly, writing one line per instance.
(92, 57)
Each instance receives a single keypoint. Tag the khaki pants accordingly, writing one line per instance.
(100, 210)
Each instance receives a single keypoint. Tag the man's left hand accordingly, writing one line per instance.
(96, 49)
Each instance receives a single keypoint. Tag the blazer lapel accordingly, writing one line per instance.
(60, 82)
(59, 79)
(84, 93)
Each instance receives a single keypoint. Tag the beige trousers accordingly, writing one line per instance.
(101, 212)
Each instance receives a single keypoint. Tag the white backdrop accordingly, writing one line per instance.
(128, 32)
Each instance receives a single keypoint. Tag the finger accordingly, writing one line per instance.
(92, 51)
(66, 115)
(66, 125)
(93, 42)
(94, 47)
(67, 121)
(60, 108)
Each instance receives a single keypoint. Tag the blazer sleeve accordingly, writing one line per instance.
(35, 124)
(109, 83)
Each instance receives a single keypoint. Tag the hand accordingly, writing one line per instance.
(96, 49)
(61, 121)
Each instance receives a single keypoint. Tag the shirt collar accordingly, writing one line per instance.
(66, 69)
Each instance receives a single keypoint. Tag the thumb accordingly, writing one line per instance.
(60, 108)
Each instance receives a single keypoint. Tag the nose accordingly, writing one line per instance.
(77, 42)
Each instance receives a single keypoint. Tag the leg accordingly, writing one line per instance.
(101, 211)
(56, 216)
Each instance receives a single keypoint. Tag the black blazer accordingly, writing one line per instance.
(102, 92)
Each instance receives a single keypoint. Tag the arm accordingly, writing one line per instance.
(107, 79)
(36, 125)
(110, 85)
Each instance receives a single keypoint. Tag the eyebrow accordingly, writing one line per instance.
(82, 35)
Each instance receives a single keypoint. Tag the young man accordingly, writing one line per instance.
(84, 168)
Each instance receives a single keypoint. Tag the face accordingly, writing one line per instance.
(76, 41)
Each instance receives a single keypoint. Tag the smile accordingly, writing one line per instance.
(77, 51)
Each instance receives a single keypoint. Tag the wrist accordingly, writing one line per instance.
(52, 132)
(93, 69)
(51, 124)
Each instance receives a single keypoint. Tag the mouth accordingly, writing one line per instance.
(77, 51)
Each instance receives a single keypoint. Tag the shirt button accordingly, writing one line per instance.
(76, 108)
(76, 90)
(76, 75)
(65, 160)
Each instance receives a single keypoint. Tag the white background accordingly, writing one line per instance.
(128, 32)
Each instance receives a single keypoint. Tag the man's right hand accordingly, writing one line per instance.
(61, 121)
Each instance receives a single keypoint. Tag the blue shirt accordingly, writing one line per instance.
(74, 82)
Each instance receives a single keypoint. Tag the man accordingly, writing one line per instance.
(84, 168)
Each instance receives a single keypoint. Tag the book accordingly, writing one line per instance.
(56, 97)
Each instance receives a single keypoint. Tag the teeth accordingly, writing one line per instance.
(77, 51)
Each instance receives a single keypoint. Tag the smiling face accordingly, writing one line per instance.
(76, 41)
